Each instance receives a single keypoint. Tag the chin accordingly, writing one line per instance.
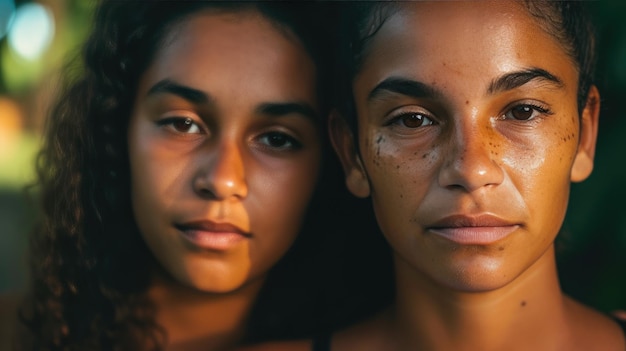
(479, 275)
(218, 283)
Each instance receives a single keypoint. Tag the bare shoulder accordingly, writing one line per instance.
(9, 304)
(594, 330)
(291, 345)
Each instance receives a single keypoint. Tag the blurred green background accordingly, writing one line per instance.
(37, 36)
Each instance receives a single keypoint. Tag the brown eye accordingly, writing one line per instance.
(183, 125)
(522, 112)
(280, 141)
(415, 120)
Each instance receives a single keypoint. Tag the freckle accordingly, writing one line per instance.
(397, 166)
(401, 196)
(500, 248)
(467, 102)
(415, 153)
(523, 303)
(425, 155)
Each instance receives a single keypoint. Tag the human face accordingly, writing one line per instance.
(224, 148)
(469, 135)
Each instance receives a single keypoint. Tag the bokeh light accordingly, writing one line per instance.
(32, 30)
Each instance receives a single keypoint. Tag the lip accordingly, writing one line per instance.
(212, 236)
(473, 230)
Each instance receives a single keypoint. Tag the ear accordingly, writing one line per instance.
(583, 163)
(344, 144)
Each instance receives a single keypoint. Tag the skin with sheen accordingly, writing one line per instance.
(468, 157)
(209, 129)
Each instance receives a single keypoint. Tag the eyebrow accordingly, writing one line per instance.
(516, 79)
(278, 109)
(187, 93)
(403, 86)
(198, 96)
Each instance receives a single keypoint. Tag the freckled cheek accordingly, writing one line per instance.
(397, 169)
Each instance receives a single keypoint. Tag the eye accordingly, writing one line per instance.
(412, 120)
(525, 112)
(279, 140)
(183, 125)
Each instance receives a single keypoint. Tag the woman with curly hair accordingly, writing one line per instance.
(178, 168)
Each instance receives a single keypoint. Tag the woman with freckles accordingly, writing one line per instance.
(465, 124)
(179, 166)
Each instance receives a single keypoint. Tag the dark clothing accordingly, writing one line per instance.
(321, 343)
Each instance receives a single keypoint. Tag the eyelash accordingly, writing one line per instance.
(294, 144)
(187, 121)
(536, 111)
(266, 138)
(400, 119)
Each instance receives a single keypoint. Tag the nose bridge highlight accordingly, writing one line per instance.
(222, 173)
(471, 158)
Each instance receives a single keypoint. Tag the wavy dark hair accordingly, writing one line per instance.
(90, 268)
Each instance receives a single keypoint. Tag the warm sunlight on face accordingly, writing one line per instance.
(224, 149)
(468, 133)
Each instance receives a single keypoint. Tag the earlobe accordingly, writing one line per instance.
(344, 144)
(583, 163)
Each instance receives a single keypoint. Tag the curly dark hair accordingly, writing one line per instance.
(90, 269)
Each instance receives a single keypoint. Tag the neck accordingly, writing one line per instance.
(195, 319)
(526, 314)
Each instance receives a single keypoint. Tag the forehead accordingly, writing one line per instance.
(218, 51)
(472, 38)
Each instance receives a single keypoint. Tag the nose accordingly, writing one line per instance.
(221, 173)
(471, 159)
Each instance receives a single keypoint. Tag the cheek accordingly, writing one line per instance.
(539, 168)
(542, 162)
(400, 175)
(278, 201)
(156, 176)
(159, 179)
